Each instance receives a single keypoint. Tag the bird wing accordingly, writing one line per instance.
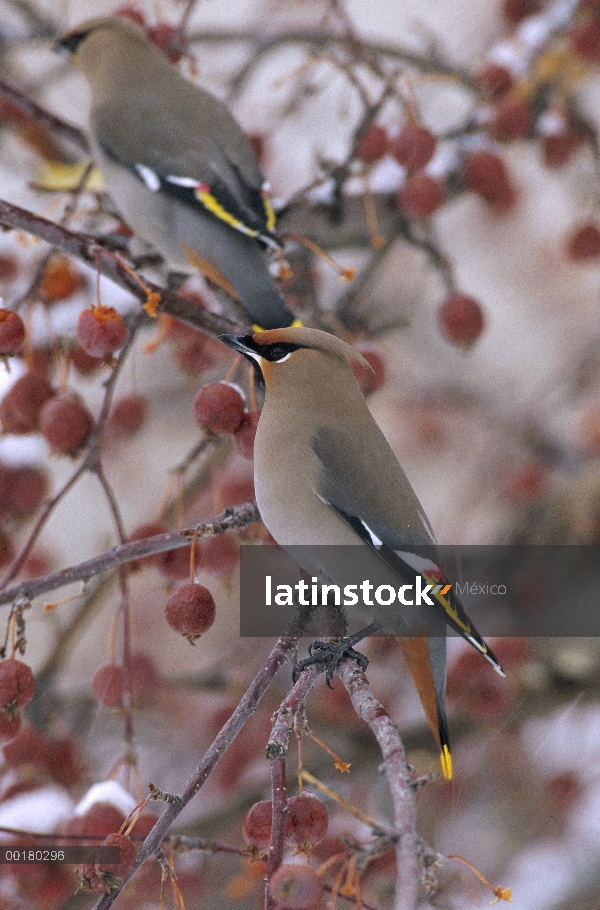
(407, 548)
(170, 155)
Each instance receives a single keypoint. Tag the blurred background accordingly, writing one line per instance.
(477, 299)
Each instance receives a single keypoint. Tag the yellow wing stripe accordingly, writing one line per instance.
(269, 212)
(213, 205)
(446, 762)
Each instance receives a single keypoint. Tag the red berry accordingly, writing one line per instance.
(585, 40)
(526, 480)
(22, 491)
(584, 243)
(63, 761)
(494, 80)
(485, 173)
(144, 825)
(243, 438)
(368, 380)
(100, 820)
(168, 39)
(143, 677)
(413, 147)
(258, 146)
(308, 819)
(28, 748)
(65, 423)
(101, 331)
(17, 685)
(219, 554)
(512, 120)
(257, 824)
(233, 491)
(461, 319)
(10, 724)
(219, 407)
(296, 888)
(128, 415)
(420, 195)
(83, 362)
(20, 408)
(8, 267)
(190, 610)
(128, 11)
(516, 10)
(60, 280)
(127, 853)
(141, 533)
(107, 685)
(373, 144)
(558, 148)
(12, 332)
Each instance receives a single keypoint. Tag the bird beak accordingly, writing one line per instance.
(68, 44)
(239, 343)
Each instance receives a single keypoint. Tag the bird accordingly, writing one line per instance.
(178, 165)
(325, 474)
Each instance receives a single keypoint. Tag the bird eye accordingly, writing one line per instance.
(278, 353)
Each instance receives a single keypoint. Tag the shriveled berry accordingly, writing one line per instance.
(584, 243)
(101, 331)
(219, 407)
(20, 408)
(308, 819)
(128, 415)
(585, 39)
(413, 147)
(494, 80)
(65, 423)
(17, 685)
(190, 610)
(10, 724)
(485, 173)
(460, 318)
(60, 280)
(243, 438)
(83, 362)
(373, 144)
(12, 332)
(369, 380)
(420, 195)
(107, 685)
(257, 823)
(127, 855)
(512, 119)
(296, 888)
(219, 554)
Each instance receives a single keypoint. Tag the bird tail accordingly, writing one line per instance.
(429, 680)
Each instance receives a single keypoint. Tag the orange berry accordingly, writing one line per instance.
(60, 280)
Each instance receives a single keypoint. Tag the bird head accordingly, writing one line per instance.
(280, 355)
(89, 42)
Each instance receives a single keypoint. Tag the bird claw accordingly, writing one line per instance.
(332, 654)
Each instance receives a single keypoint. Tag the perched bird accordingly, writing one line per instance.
(178, 165)
(325, 474)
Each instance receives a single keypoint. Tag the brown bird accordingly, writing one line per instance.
(325, 474)
(178, 165)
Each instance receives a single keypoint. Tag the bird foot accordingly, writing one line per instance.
(332, 653)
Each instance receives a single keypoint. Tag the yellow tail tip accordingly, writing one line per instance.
(446, 762)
